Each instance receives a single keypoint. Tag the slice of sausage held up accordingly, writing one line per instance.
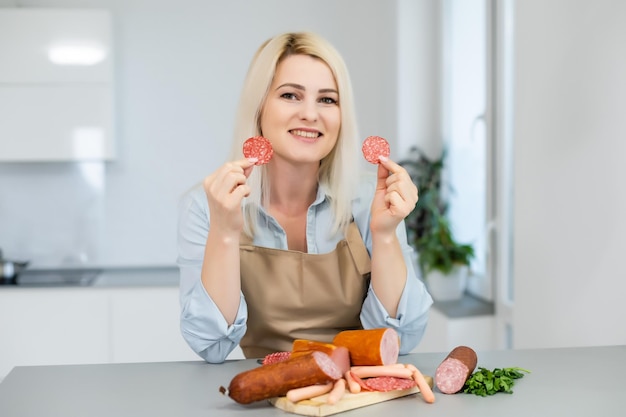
(455, 369)
(370, 346)
(374, 147)
(275, 380)
(258, 147)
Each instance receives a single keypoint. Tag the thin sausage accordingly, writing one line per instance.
(381, 370)
(353, 386)
(304, 393)
(339, 389)
(370, 346)
(275, 380)
(455, 369)
(425, 390)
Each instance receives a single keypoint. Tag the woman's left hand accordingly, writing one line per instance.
(394, 199)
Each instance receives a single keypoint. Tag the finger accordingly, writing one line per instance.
(221, 184)
(406, 189)
(382, 175)
(398, 206)
(391, 166)
(248, 165)
(240, 192)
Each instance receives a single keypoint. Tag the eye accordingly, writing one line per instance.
(328, 100)
(289, 96)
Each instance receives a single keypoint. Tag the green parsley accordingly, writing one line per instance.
(485, 382)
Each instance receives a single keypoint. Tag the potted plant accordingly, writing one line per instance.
(443, 262)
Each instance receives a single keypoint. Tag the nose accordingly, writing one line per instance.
(308, 110)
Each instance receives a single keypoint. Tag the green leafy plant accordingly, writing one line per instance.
(428, 228)
(485, 382)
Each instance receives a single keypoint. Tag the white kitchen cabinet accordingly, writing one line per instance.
(145, 326)
(50, 326)
(56, 85)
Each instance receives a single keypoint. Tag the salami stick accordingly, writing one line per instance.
(277, 379)
(455, 369)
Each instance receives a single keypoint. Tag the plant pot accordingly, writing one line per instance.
(447, 287)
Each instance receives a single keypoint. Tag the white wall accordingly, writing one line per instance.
(179, 65)
(570, 145)
(419, 75)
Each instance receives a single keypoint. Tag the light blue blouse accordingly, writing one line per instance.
(204, 327)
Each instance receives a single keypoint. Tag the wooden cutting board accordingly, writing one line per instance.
(318, 407)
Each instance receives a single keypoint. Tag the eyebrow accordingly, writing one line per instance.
(301, 87)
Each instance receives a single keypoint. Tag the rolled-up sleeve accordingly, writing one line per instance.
(412, 313)
(202, 325)
(204, 328)
(415, 301)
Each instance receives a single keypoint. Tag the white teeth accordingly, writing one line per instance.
(305, 134)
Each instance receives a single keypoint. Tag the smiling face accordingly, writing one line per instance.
(301, 115)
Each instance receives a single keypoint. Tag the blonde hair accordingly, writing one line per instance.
(337, 170)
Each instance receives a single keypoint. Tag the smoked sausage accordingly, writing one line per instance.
(370, 346)
(276, 379)
(338, 354)
(455, 369)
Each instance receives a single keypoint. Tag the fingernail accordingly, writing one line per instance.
(383, 158)
(253, 160)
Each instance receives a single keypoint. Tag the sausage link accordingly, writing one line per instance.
(455, 369)
(275, 380)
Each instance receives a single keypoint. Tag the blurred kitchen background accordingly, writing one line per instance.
(527, 95)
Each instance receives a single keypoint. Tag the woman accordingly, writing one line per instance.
(297, 248)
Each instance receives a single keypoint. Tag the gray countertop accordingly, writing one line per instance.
(564, 382)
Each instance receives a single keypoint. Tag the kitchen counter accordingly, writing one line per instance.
(569, 382)
(158, 276)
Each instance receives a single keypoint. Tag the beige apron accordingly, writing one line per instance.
(295, 295)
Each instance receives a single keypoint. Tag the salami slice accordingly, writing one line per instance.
(258, 147)
(276, 357)
(374, 147)
(388, 383)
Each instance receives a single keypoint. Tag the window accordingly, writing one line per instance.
(466, 130)
(477, 125)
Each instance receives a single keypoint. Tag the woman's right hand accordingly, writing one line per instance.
(225, 189)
